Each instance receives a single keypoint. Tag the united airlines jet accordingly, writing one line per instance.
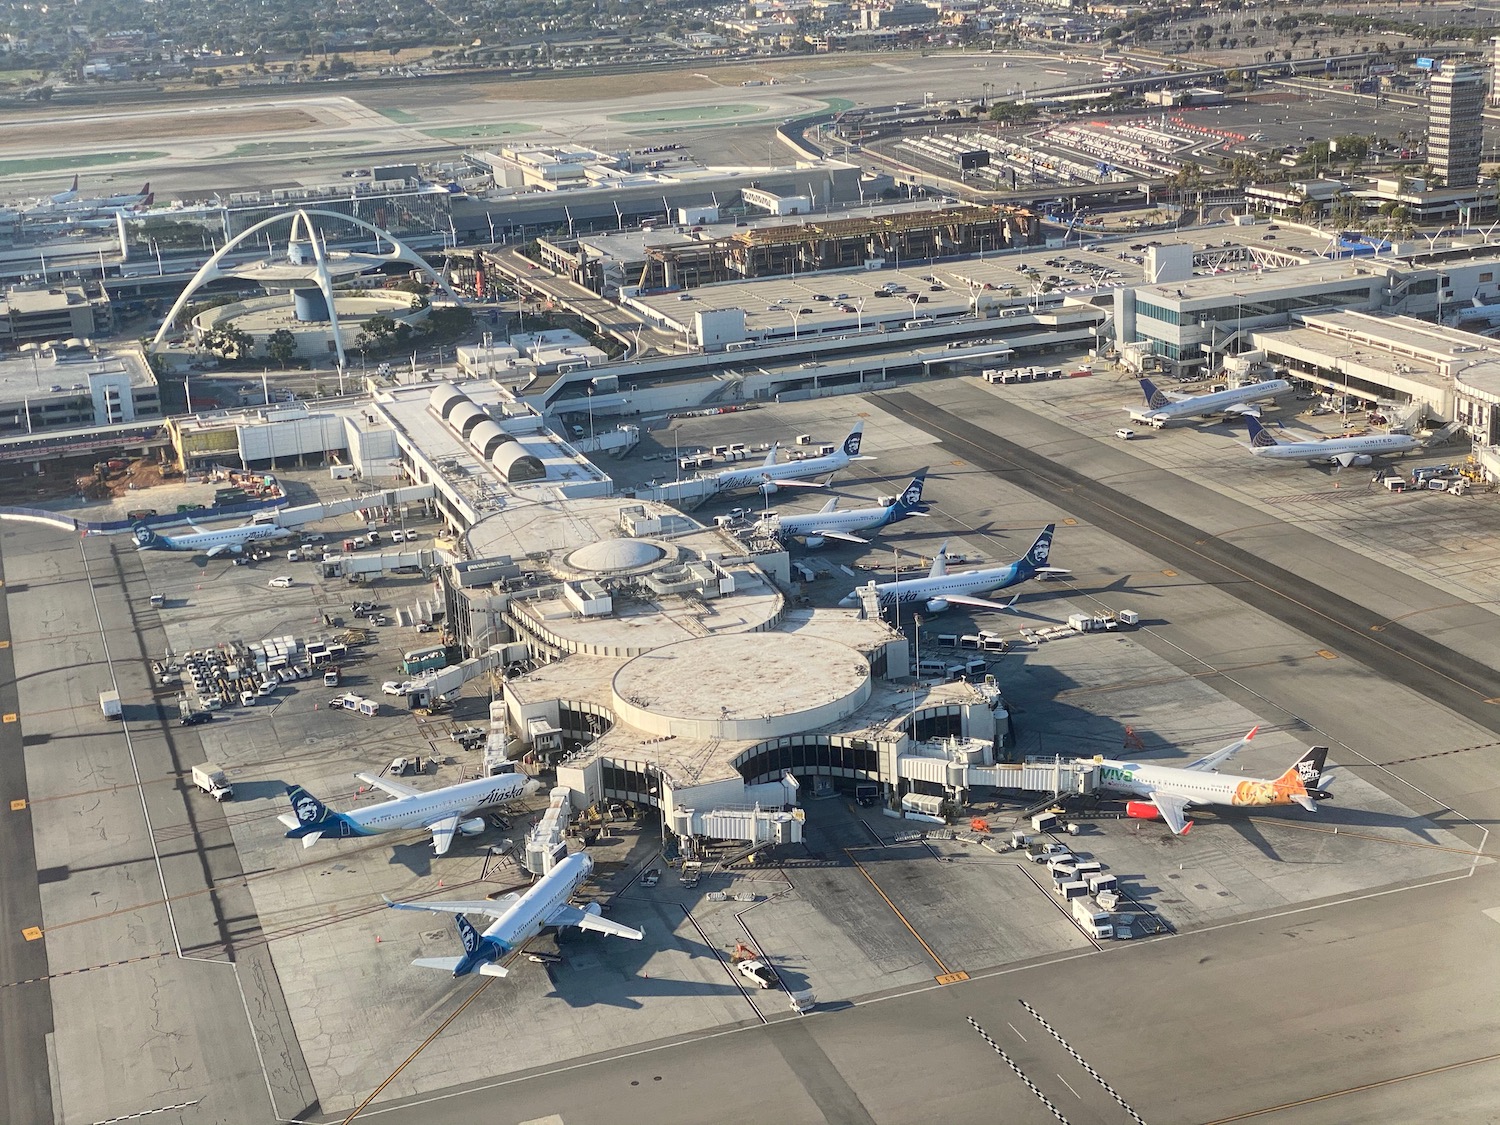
(442, 811)
(940, 589)
(1163, 407)
(1340, 451)
(830, 523)
(518, 919)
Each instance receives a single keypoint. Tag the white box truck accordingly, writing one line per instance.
(109, 703)
(213, 782)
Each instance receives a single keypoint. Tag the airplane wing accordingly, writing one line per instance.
(977, 603)
(394, 788)
(442, 833)
(844, 535)
(491, 908)
(1241, 410)
(1173, 810)
(224, 549)
(782, 483)
(1213, 761)
(567, 915)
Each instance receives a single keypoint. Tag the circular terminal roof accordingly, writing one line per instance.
(741, 686)
(610, 556)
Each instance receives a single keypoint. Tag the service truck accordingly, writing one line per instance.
(109, 703)
(213, 782)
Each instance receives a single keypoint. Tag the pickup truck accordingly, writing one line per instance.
(213, 782)
(758, 973)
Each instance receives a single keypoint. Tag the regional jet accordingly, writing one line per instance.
(940, 589)
(229, 541)
(830, 523)
(1169, 790)
(771, 475)
(1164, 407)
(518, 919)
(1340, 451)
(443, 811)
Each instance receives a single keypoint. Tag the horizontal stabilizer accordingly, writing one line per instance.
(490, 969)
(290, 820)
(310, 839)
(446, 964)
(1305, 801)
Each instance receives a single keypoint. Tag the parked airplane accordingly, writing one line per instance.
(771, 475)
(830, 523)
(65, 196)
(231, 540)
(1163, 407)
(444, 811)
(1340, 451)
(518, 919)
(1169, 790)
(940, 589)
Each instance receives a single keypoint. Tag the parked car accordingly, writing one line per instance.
(758, 973)
(280, 582)
(193, 718)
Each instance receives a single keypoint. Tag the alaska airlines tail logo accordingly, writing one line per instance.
(308, 809)
(144, 536)
(469, 934)
(1040, 552)
(913, 494)
(851, 443)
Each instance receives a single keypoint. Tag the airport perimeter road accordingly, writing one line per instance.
(1331, 1014)
(1443, 675)
(25, 1010)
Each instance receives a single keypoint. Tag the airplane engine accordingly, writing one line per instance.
(1361, 460)
(937, 605)
(814, 541)
(767, 487)
(1142, 810)
(593, 908)
(471, 827)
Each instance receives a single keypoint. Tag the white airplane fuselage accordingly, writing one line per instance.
(463, 799)
(1372, 445)
(1213, 403)
(526, 917)
(733, 479)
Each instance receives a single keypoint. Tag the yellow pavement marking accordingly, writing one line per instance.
(17, 806)
(8, 717)
(1326, 655)
(952, 978)
(32, 933)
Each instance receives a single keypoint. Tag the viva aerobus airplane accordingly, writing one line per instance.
(1168, 791)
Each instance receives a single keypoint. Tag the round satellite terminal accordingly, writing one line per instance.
(612, 555)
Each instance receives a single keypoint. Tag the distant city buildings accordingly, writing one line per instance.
(1455, 123)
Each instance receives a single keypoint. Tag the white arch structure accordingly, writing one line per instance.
(400, 252)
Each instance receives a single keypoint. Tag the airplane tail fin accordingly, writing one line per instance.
(148, 201)
(909, 500)
(851, 443)
(145, 188)
(1154, 397)
(770, 456)
(74, 188)
(1035, 560)
(479, 951)
(311, 819)
(940, 563)
(1302, 780)
(145, 538)
(1260, 437)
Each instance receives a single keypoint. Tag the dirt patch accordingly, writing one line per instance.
(153, 128)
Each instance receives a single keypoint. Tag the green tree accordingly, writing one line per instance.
(281, 346)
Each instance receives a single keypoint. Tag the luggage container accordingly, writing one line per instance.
(1069, 891)
(1044, 822)
(1087, 867)
(1099, 883)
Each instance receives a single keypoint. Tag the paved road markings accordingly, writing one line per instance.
(32, 933)
(18, 806)
(1326, 655)
(952, 978)
(9, 717)
(1030, 1085)
(148, 1113)
(1081, 1061)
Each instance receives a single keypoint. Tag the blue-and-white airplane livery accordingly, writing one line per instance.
(442, 811)
(830, 523)
(773, 474)
(1164, 407)
(1340, 451)
(229, 541)
(518, 919)
(940, 589)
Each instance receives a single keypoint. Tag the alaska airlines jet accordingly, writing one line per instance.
(1163, 407)
(772, 475)
(230, 541)
(1340, 451)
(518, 919)
(830, 523)
(1169, 790)
(940, 589)
(443, 811)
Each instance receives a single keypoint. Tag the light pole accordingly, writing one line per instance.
(796, 315)
(859, 314)
(591, 413)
